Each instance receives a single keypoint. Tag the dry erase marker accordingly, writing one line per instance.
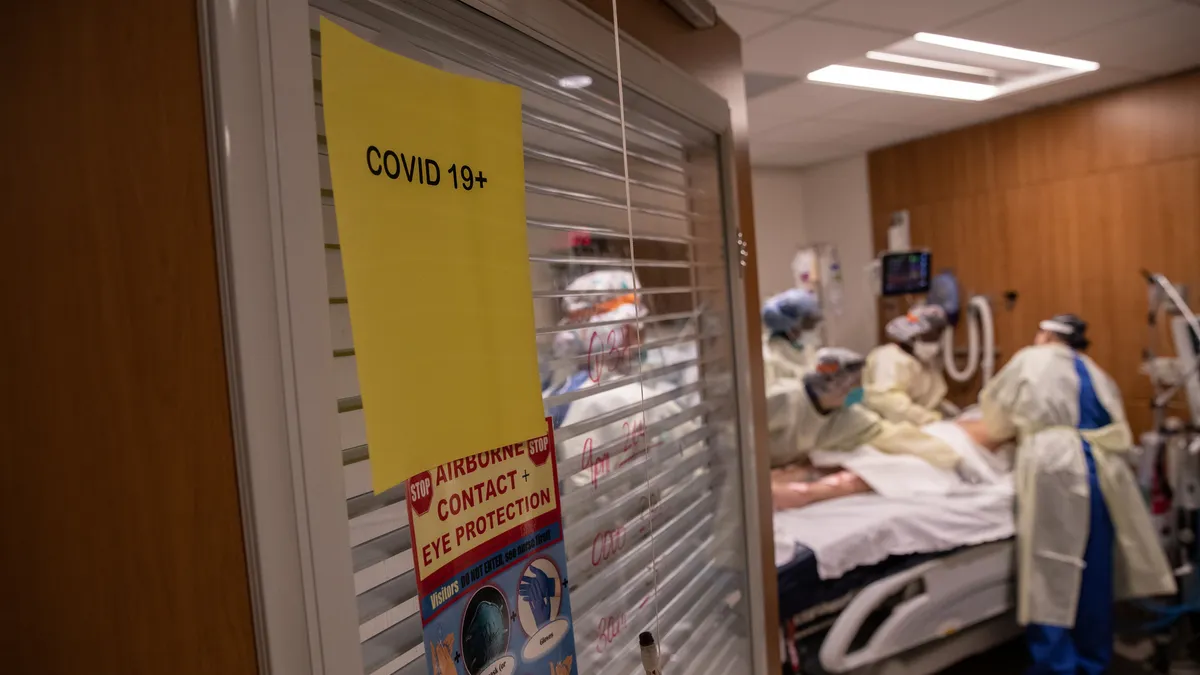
(649, 654)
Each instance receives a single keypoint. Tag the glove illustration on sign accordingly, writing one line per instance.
(539, 595)
(538, 589)
(443, 662)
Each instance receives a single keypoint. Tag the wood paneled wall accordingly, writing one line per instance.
(1063, 205)
(123, 548)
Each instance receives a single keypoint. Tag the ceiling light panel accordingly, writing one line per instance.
(1007, 52)
(948, 67)
(905, 83)
(933, 64)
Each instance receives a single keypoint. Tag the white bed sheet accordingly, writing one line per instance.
(908, 476)
(916, 508)
(866, 529)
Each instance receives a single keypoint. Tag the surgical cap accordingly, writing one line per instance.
(1072, 329)
(837, 370)
(601, 293)
(920, 320)
(608, 297)
(788, 310)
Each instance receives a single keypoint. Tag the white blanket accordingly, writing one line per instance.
(917, 508)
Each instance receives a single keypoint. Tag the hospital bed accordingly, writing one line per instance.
(911, 614)
(876, 585)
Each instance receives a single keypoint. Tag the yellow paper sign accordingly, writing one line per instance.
(429, 188)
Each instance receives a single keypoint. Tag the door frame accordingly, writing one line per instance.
(266, 197)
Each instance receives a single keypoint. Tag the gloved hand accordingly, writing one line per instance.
(948, 409)
(537, 591)
(972, 472)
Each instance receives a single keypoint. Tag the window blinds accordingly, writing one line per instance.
(647, 428)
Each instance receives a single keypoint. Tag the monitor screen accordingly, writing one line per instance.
(906, 273)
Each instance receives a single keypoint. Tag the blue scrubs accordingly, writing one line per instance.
(558, 413)
(1087, 648)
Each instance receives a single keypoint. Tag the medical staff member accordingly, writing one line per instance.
(584, 356)
(789, 321)
(820, 411)
(814, 408)
(903, 380)
(1084, 536)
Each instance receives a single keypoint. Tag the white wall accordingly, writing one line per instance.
(826, 204)
(778, 226)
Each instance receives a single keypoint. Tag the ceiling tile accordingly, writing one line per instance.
(925, 113)
(910, 16)
(792, 7)
(802, 100)
(796, 154)
(882, 135)
(814, 131)
(1161, 41)
(816, 140)
(801, 46)
(824, 154)
(773, 155)
(1088, 83)
(761, 84)
(1038, 23)
(748, 22)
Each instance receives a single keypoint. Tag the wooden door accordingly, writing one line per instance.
(123, 548)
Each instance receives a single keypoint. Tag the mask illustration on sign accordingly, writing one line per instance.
(485, 636)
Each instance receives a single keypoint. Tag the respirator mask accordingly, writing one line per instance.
(927, 352)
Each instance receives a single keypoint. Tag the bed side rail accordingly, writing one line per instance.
(925, 603)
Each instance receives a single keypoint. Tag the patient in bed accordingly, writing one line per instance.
(829, 475)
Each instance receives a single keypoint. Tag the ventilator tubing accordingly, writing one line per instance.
(979, 320)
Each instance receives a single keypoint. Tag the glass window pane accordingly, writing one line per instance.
(634, 339)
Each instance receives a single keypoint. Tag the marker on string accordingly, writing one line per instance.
(646, 639)
(649, 654)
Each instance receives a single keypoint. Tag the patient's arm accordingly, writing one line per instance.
(977, 430)
(905, 439)
(793, 495)
(797, 472)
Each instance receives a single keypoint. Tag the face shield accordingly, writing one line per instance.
(920, 330)
(1066, 328)
(837, 375)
